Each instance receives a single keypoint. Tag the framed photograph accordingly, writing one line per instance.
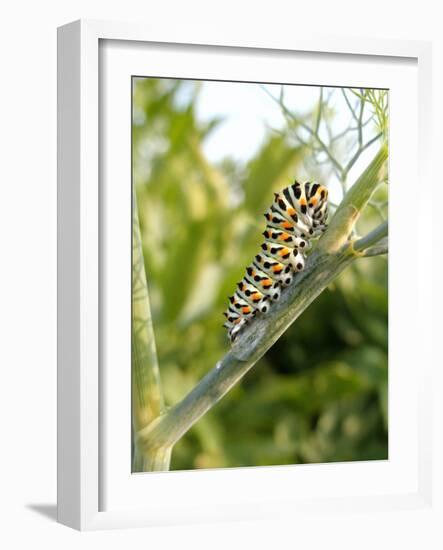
(239, 331)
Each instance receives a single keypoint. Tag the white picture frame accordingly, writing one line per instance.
(83, 423)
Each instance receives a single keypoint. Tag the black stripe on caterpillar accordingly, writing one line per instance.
(297, 215)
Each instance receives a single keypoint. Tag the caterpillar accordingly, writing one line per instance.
(297, 215)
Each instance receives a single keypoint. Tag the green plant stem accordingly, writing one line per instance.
(357, 154)
(377, 250)
(353, 203)
(337, 166)
(156, 460)
(372, 238)
(147, 395)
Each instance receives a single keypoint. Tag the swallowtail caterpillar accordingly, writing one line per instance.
(297, 215)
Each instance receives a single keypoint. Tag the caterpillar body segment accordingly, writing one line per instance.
(297, 215)
(281, 237)
(260, 279)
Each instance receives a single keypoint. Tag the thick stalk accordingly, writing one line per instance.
(147, 396)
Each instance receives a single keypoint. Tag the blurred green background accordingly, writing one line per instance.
(320, 393)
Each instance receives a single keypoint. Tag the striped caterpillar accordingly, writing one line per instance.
(297, 215)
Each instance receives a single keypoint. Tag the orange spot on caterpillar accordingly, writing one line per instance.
(286, 225)
(246, 309)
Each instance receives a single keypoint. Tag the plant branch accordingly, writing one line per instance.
(147, 395)
(354, 116)
(360, 125)
(359, 151)
(371, 238)
(380, 248)
(353, 203)
(313, 133)
(319, 113)
(378, 208)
